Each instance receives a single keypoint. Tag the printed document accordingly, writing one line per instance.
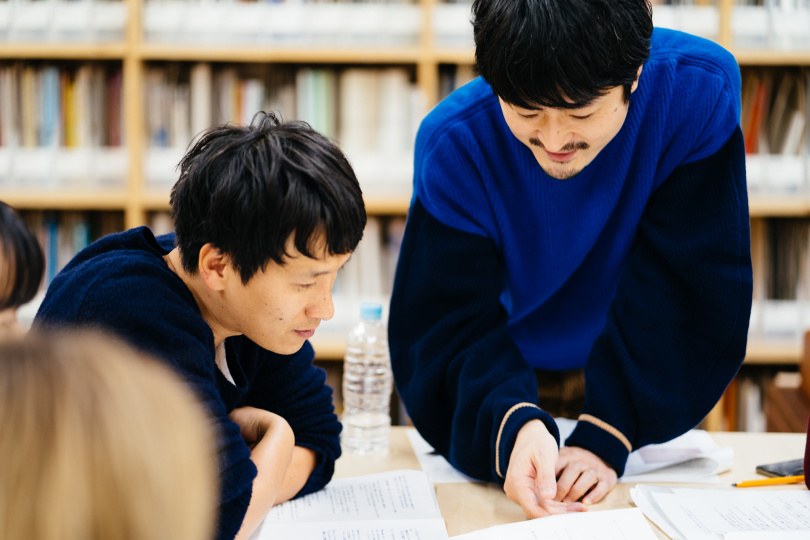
(393, 505)
(712, 514)
(625, 524)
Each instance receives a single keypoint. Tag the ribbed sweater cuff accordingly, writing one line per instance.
(513, 420)
(603, 440)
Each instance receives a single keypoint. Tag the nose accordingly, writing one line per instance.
(322, 307)
(554, 131)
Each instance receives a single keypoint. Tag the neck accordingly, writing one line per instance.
(205, 298)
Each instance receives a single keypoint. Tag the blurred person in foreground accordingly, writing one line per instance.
(100, 442)
(22, 266)
(265, 215)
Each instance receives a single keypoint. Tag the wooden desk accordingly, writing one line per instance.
(469, 507)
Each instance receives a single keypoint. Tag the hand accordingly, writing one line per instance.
(581, 473)
(257, 424)
(530, 478)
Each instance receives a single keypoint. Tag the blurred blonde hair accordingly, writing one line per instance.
(99, 442)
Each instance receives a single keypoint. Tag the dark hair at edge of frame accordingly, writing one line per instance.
(20, 250)
(560, 53)
(246, 189)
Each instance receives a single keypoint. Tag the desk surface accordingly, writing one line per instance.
(469, 507)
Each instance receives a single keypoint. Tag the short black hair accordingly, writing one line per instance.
(247, 189)
(560, 53)
(22, 263)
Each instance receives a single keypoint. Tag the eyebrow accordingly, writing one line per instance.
(317, 273)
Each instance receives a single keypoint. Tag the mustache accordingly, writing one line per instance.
(570, 147)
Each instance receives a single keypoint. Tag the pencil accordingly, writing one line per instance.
(771, 481)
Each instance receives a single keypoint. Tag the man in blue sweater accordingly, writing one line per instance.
(579, 222)
(265, 215)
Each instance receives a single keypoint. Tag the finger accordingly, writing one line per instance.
(532, 505)
(546, 474)
(586, 481)
(567, 479)
(576, 507)
(602, 488)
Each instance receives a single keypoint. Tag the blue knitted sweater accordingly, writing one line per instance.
(122, 284)
(637, 269)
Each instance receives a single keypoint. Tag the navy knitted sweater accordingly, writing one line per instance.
(637, 269)
(122, 284)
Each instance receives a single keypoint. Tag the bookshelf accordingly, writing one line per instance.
(430, 40)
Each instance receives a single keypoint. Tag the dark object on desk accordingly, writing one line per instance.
(793, 467)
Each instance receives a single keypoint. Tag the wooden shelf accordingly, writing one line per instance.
(768, 352)
(65, 200)
(285, 54)
(63, 51)
(454, 55)
(778, 207)
(772, 58)
(376, 205)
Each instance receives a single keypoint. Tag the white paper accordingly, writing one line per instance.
(624, 524)
(693, 457)
(437, 468)
(358, 509)
(707, 514)
(780, 535)
(407, 529)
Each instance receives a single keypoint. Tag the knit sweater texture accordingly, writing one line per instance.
(122, 284)
(637, 269)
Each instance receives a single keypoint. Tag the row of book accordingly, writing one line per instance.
(780, 254)
(62, 20)
(63, 234)
(293, 22)
(372, 113)
(61, 125)
(775, 118)
(771, 24)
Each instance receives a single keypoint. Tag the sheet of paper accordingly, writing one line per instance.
(392, 505)
(781, 535)
(437, 468)
(642, 497)
(407, 529)
(693, 457)
(624, 524)
(708, 514)
(403, 494)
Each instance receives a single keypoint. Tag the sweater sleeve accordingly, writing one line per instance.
(462, 379)
(676, 332)
(293, 388)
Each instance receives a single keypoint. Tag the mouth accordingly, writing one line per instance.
(305, 334)
(561, 158)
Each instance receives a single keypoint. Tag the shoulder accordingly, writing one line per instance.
(697, 64)
(120, 272)
(459, 112)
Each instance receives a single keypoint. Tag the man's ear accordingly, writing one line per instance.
(635, 83)
(213, 267)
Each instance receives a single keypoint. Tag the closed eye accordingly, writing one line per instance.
(306, 285)
(581, 117)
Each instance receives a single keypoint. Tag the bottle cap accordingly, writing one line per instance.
(371, 311)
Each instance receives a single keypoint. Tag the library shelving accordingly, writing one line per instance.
(421, 49)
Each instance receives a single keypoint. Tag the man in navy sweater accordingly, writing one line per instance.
(579, 226)
(265, 215)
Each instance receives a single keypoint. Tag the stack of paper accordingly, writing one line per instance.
(712, 514)
(387, 506)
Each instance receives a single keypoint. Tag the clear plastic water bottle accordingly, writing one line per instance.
(367, 384)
